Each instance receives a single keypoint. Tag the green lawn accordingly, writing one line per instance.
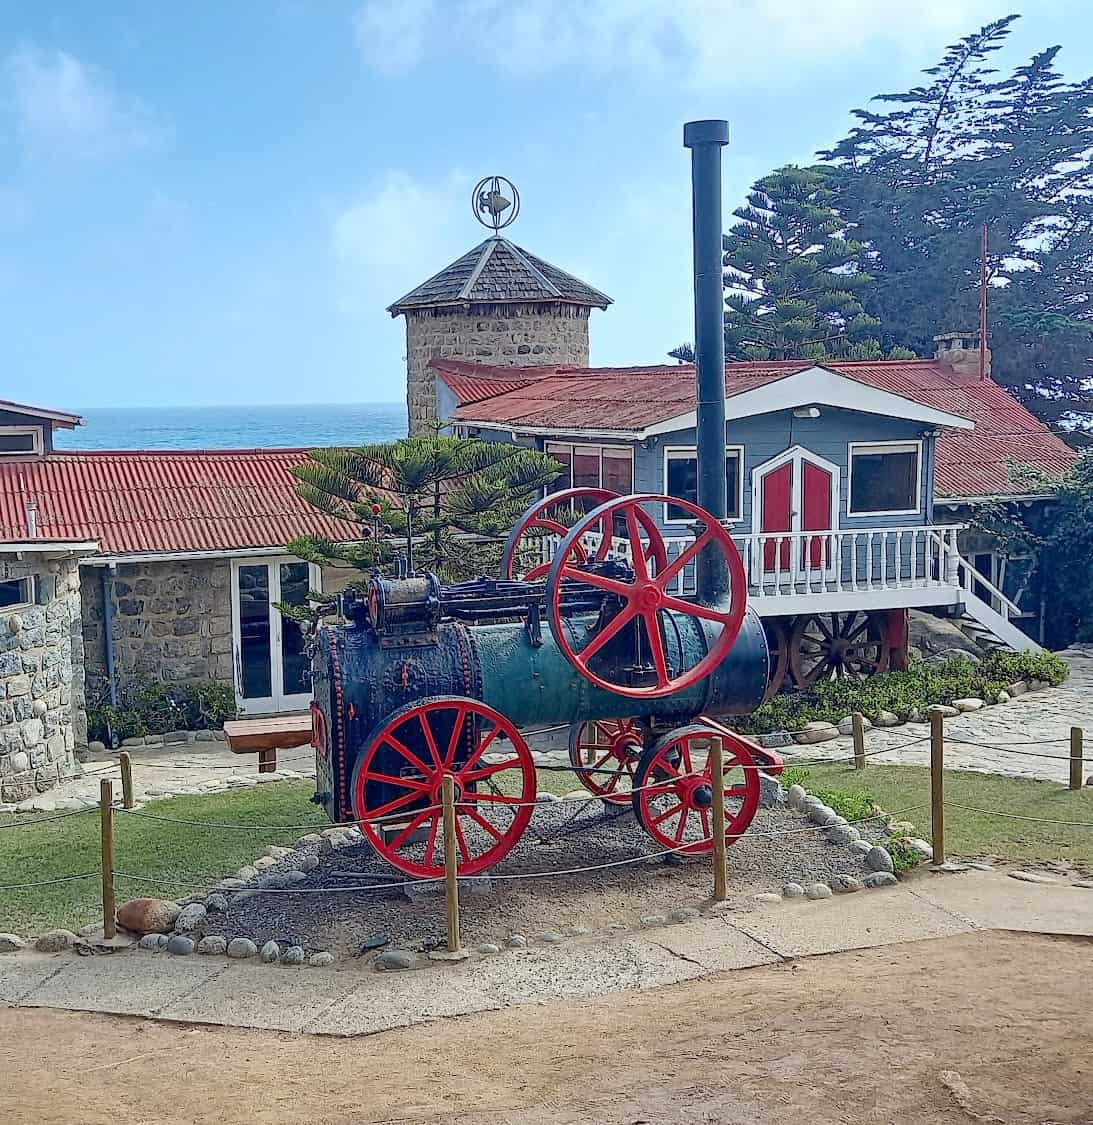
(898, 788)
(38, 850)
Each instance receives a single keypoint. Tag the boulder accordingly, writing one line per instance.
(270, 952)
(969, 704)
(878, 859)
(817, 890)
(180, 945)
(792, 890)
(395, 959)
(190, 917)
(54, 941)
(294, 955)
(846, 725)
(880, 879)
(1019, 687)
(148, 915)
(240, 948)
(321, 959)
(11, 943)
(822, 815)
(817, 732)
(921, 847)
(771, 793)
(846, 884)
(943, 709)
(888, 719)
(212, 945)
(795, 794)
(154, 943)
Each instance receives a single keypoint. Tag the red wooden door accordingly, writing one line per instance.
(776, 497)
(816, 488)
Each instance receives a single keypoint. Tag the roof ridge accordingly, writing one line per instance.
(57, 454)
(522, 256)
(490, 245)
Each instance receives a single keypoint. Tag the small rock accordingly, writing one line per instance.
(306, 862)
(684, 914)
(375, 941)
(775, 740)
(795, 794)
(153, 942)
(230, 884)
(767, 896)
(549, 937)
(241, 948)
(54, 941)
(294, 955)
(649, 920)
(204, 736)
(11, 943)
(1031, 877)
(1017, 688)
(822, 816)
(177, 736)
(96, 747)
(148, 915)
(880, 879)
(920, 847)
(861, 847)
(180, 945)
(270, 952)
(840, 834)
(951, 867)
(846, 884)
(321, 960)
(943, 709)
(846, 725)
(771, 793)
(212, 945)
(817, 890)
(310, 838)
(547, 798)
(817, 732)
(274, 851)
(190, 918)
(887, 719)
(135, 740)
(517, 941)
(488, 948)
(792, 890)
(969, 704)
(878, 859)
(448, 954)
(246, 873)
(978, 865)
(1002, 697)
(264, 862)
(578, 931)
(395, 959)
(216, 903)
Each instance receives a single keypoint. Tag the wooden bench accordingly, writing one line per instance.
(266, 735)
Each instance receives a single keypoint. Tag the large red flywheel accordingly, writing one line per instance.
(644, 603)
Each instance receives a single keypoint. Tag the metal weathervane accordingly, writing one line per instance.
(495, 202)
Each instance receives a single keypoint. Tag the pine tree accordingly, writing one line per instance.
(440, 503)
(792, 275)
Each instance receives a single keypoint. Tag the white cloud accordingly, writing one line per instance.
(68, 111)
(697, 43)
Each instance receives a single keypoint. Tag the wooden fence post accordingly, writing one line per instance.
(451, 869)
(937, 785)
(858, 724)
(106, 818)
(717, 777)
(126, 779)
(1076, 758)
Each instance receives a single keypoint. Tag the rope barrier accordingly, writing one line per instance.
(30, 821)
(51, 882)
(1020, 816)
(1007, 748)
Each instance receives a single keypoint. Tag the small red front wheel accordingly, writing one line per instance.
(673, 789)
(608, 750)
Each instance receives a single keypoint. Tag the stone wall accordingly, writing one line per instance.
(171, 622)
(504, 335)
(41, 681)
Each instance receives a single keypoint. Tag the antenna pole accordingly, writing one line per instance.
(983, 305)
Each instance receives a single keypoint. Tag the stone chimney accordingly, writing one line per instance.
(960, 352)
(498, 304)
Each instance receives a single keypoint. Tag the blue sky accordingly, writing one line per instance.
(212, 203)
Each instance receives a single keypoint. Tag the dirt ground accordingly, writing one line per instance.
(988, 1027)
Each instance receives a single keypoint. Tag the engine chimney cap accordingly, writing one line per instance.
(711, 132)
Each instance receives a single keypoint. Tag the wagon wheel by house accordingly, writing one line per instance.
(832, 646)
(777, 630)
(604, 754)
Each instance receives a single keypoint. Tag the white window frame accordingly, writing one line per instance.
(856, 447)
(37, 445)
(689, 452)
(28, 586)
(588, 446)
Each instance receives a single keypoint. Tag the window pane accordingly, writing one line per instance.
(563, 454)
(586, 466)
(16, 443)
(884, 482)
(294, 663)
(15, 592)
(682, 482)
(254, 636)
(618, 470)
(732, 473)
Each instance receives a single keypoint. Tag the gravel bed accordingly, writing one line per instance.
(560, 836)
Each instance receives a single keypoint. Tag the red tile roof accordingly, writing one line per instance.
(164, 501)
(969, 463)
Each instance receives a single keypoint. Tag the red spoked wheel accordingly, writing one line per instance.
(606, 744)
(644, 602)
(398, 778)
(545, 516)
(673, 789)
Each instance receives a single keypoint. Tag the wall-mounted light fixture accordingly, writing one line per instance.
(807, 412)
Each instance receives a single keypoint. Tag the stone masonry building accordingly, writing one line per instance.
(498, 304)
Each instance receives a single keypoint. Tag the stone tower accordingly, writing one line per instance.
(500, 305)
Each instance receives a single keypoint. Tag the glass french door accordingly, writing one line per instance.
(272, 673)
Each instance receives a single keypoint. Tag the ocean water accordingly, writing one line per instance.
(235, 427)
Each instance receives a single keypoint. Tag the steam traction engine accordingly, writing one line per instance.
(426, 680)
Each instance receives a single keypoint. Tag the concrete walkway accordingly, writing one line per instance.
(353, 1001)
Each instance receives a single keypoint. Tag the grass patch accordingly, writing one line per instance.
(38, 850)
(904, 791)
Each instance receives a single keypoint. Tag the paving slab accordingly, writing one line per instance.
(381, 1001)
(991, 900)
(715, 944)
(271, 997)
(884, 916)
(20, 974)
(122, 984)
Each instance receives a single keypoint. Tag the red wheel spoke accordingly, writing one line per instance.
(430, 741)
(681, 827)
(600, 581)
(392, 806)
(637, 555)
(707, 829)
(606, 536)
(483, 772)
(613, 783)
(430, 843)
(482, 822)
(480, 749)
(656, 646)
(737, 791)
(407, 753)
(461, 841)
(677, 565)
(414, 824)
(499, 798)
(615, 625)
(664, 816)
(457, 730)
(696, 609)
(404, 782)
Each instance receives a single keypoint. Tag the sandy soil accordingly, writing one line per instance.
(988, 1027)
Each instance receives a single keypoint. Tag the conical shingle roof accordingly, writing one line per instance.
(497, 271)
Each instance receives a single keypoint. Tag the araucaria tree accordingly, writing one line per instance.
(792, 276)
(439, 503)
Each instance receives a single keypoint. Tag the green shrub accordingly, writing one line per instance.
(1013, 666)
(155, 708)
(904, 857)
(854, 806)
(794, 775)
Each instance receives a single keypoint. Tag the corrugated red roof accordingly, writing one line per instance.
(164, 501)
(627, 399)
